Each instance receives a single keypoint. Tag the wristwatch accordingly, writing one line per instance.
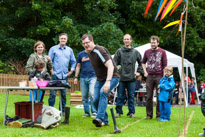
(108, 79)
(76, 77)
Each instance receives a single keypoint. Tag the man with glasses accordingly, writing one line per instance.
(87, 82)
(61, 55)
(156, 60)
(107, 77)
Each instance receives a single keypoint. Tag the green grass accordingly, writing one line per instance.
(78, 126)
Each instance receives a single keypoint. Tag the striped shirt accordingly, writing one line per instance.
(98, 57)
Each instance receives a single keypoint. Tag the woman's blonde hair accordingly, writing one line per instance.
(39, 43)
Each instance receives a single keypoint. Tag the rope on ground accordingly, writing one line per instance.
(183, 134)
(126, 126)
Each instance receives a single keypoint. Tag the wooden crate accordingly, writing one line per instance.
(75, 99)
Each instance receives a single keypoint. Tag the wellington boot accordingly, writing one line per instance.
(67, 115)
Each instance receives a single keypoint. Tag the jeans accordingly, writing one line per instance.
(87, 89)
(35, 95)
(101, 98)
(165, 110)
(52, 96)
(189, 93)
(130, 86)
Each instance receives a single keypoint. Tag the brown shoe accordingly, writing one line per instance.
(157, 118)
(117, 115)
(132, 116)
(148, 117)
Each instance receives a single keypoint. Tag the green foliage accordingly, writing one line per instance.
(25, 22)
(5, 68)
(202, 75)
(17, 48)
(108, 35)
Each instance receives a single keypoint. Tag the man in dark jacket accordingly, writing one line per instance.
(127, 57)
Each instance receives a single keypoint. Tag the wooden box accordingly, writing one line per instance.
(75, 99)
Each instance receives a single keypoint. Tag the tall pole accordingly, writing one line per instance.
(183, 48)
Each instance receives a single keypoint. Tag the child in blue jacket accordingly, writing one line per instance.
(166, 86)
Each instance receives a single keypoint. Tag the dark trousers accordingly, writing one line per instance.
(176, 98)
(152, 82)
(52, 96)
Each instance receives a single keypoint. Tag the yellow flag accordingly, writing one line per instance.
(171, 24)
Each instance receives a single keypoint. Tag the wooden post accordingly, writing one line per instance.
(183, 40)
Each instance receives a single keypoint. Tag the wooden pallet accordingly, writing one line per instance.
(75, 99)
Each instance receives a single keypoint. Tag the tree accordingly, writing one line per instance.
(23, 22)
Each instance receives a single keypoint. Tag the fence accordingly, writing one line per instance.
(13, 80)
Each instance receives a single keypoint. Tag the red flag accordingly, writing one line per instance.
(147, 7)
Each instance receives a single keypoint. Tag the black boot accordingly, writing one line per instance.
(67, 115)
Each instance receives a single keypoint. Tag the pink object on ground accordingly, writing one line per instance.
(41, 83)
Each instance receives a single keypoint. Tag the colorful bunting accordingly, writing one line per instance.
(179, 22)
(171, 24)
(167, 8)
(160, 4)
(171, 6)
(161, 8)
(147, 7)
(178, 3)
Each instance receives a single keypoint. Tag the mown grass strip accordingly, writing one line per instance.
(185, 131)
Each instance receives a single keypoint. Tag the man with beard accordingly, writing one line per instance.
(156, 60)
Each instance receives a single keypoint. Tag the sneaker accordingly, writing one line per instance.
(86, 115)
(132, 116)
(164, 120)
(148, 117)
(97, 122)
(104, 124)
(94, 115)
(160, 119)
(117, 115)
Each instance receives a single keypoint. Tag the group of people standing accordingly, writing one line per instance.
(99, 74)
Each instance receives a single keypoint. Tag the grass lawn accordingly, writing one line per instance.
(78, 126)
